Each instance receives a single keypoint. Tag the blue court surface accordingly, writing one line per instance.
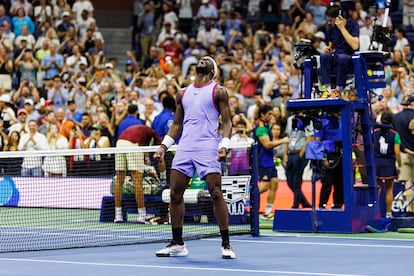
(272, 254)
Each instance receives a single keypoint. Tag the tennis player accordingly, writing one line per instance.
(198, 109)
(133, 136)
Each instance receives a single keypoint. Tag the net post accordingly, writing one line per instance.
(254, 192)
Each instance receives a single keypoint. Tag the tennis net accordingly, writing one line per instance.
(72, 205)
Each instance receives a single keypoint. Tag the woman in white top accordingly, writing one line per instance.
(55, 165)
(401, 39)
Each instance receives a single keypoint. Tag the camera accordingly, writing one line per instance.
(381, 35)
(303, 50)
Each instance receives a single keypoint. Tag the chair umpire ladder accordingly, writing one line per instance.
(360, 201)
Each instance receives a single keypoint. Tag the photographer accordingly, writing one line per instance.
(239, 161)
(80, 94)
(299, 129)
(328, 128)
(343, 41)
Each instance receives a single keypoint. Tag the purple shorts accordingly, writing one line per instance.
(204, 162)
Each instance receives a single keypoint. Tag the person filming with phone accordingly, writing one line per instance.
(342, 42)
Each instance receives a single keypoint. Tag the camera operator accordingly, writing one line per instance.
(343, 41)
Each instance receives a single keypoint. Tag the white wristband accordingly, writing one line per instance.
(225, 143)
(168, 141)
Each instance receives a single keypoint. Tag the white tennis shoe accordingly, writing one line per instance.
(145, 220)
(173, 250)
(118, 218)
(227, 252)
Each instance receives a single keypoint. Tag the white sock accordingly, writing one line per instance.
(269, 208)
(142, 212)
(163, 175)
(118, 211)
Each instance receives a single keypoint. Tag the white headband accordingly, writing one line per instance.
(214, 64)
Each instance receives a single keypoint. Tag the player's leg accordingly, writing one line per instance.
(209, 169)
(182, 168)
(120, 169)
(264, 186)
(264, 180)
(273, 184)
(379, 187)
(389, 196)
(407, 176)
(221, 212)
(270, 175)
(139, 195)
(135, 164)
(213, 182)
(179, 183)
(176, 248)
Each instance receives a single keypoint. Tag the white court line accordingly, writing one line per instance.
(311, 236)
(181, 267)
(67, 234)
(322, 243)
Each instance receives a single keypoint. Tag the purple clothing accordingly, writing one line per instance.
(200, 122)
(203, 161)
(198, 146)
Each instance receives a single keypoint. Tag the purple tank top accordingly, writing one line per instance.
(200, 123)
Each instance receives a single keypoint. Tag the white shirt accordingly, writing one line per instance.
(43, 13)
(31, 41)
(41, 144)
(9, 38)
(186, 11)
(18, 127)
(286, 4)
(73, 62)
(236, 138)
(8, 114)
(83, 25)
(172, 18)
(400, 43)
(209, 37)
(268, 84)
(79, 6)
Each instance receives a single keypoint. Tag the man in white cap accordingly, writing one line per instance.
(21, 126)
(32, 113)
(74, 61)
(64, 26)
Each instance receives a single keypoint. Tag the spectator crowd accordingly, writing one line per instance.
(58, 82)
